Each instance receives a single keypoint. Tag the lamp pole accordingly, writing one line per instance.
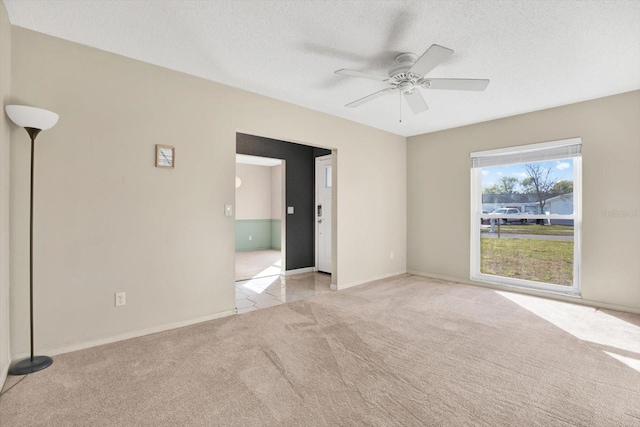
(33, 120)
(33, 132)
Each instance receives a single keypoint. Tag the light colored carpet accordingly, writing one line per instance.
(254, 264)
(403, 351)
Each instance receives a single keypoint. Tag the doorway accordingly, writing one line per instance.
(259, 213)
(300, 213)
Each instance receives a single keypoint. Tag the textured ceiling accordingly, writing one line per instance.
(538, 54)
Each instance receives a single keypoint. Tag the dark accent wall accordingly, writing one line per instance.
(300, 192)
(319, 152)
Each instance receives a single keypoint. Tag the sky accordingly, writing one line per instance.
(560, 170)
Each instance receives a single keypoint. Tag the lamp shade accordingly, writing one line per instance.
(31, 117)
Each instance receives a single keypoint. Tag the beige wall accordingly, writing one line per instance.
(107, 220)
(253, 197)
(438, 181)
(5, 80)
(259, 196)
(276, 192)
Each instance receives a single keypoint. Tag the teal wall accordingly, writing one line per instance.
(275, 234)
(264, 233)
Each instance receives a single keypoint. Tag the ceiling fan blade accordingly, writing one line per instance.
(369, 97)
(416, 101)
(429, 60)
(456, 84)
(353, 73)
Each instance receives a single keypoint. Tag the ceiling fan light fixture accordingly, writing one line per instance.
(407, 87)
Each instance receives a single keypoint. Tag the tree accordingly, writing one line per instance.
(563, 187)
(539, 182)
(506, 185)
(491, 190)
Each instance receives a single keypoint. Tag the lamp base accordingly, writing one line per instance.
(28, 365)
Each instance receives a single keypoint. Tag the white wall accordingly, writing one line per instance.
(438, 183)
(5, 81)
(276, 192)
(253, 197)
(107, 223)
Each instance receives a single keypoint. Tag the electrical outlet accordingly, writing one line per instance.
(120, 299)
(250, 237)
(391, 255)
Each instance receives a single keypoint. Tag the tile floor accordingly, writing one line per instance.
(252, 264)
(268, 291)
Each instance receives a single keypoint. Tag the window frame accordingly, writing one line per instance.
(477, 215)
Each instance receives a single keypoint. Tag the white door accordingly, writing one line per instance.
(323, 214)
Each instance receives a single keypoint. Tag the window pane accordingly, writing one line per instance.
(533, 188)
(327, 176)
(540, 253)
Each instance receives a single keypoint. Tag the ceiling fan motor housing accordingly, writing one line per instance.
(399, 75)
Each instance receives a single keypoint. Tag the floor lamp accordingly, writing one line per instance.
(33, 120)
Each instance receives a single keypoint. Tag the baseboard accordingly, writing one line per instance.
(128, 335)
(300, 271)
(558, 297)
(4, 372)
(371, 279)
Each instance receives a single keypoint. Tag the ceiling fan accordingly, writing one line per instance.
(407, 76)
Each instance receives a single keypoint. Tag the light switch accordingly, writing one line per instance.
(290, 210)
(228, 211)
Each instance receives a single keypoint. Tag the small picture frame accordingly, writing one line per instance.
(165, 156)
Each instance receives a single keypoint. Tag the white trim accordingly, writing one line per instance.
(133, 334)
(510, 282)
(283, 217)
(528, 291)
(476, 194)
(316, 244)
(544, 152)
(247, 159)
(475, 273)
(316, 200)
(527, 216)
(4, 371)
(371, 279)
(528, 147)
(577, 222)
(300, 271)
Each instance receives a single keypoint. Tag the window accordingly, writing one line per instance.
(327, 176)
(526, 216)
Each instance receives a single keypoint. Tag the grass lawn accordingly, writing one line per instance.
(549, 230)
(548, 261)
